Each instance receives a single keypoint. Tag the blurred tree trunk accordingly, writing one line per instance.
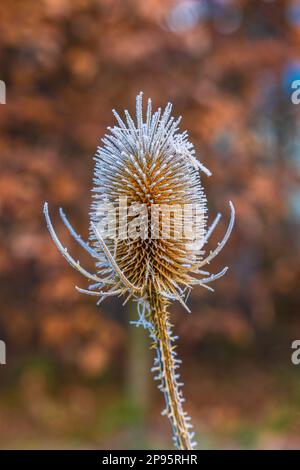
(138, 378)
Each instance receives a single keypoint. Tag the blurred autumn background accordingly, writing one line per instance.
(78, 376)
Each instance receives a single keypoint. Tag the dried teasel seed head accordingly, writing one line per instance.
(149, 164)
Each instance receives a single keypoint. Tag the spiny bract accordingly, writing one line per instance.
(149, 163)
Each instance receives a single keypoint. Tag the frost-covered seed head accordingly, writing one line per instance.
(149, 162)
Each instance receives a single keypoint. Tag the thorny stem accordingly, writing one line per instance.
(166, 365)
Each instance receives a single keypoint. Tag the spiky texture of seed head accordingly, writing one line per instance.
(151, 164)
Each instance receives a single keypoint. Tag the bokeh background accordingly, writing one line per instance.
(78, 376)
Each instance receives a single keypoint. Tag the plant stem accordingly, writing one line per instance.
(166, 365)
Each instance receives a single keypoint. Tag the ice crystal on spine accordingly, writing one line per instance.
(150, 162)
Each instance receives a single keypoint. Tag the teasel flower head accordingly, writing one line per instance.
(146, 174)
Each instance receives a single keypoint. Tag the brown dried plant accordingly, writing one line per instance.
(150, 164)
